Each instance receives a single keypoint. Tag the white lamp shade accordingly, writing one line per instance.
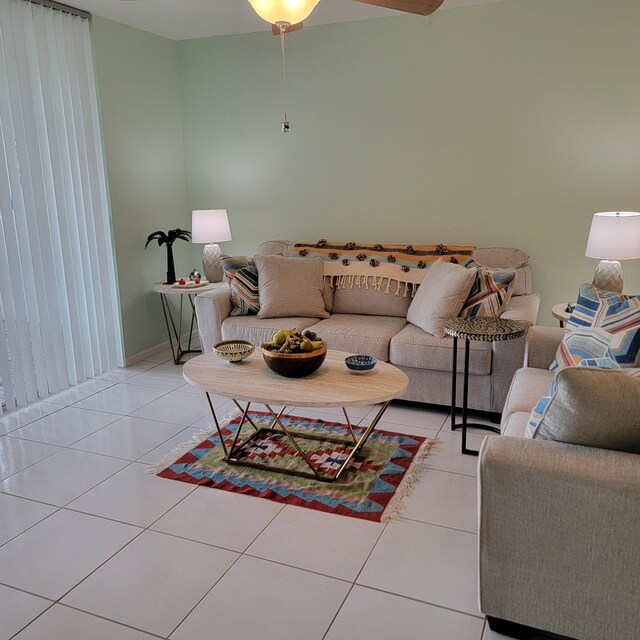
(614, 235)
(291, 11)
(210, 225)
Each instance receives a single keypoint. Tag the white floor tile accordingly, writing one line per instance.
(446, 499)
(160, 453)
(62, 477)
(355, 413)
(121, 398)
(221, 518)
(164, 376)
(260, 599)
(54, 555)
(162, 356)
(373, 615)
(446, 454)
(16, 454)
(415, 416)
(406, 429)
(133, 496)
(79, 392)
(153, 583)
(18, 514)
(123, 373)
(17, 610)
(176, 407)
(330, 544)
(12, 421)
(426, 562)
(224, 409)
(129, 437)
(65, 427)
(64, 623)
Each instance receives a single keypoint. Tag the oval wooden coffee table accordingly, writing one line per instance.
(333, 385)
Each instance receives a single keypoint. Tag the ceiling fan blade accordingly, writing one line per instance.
(420, 7)
(275, 29)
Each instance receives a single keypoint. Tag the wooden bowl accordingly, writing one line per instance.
(295, 365)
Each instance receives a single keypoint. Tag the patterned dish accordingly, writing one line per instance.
(233, 350)
(360, 362)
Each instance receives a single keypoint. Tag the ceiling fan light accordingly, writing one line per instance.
(287, 11)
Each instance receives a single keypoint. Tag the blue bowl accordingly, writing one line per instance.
(360, 362)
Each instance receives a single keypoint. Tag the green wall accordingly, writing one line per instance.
(507, 124)
(503, 124)
(139, 91)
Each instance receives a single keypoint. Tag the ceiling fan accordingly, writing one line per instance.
(287, 15)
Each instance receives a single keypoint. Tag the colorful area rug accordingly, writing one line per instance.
(372, 487)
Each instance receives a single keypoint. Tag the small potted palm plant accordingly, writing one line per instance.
(168, 239)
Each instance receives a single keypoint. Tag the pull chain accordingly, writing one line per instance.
(286, 125)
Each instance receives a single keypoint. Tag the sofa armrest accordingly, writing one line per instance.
(559, 537)
(212, 307)
(542, 344)
(523, 308)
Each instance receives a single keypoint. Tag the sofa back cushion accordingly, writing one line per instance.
(361, 300)
(592, 407)
(441, 296)
(290, 287)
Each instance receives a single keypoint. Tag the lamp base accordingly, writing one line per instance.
(608, 276)
(211, 266)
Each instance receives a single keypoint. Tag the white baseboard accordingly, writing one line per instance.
(151, 351)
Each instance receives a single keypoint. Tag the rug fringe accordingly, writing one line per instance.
(184, 447)
(396, 508)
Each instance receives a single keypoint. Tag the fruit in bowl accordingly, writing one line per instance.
(294, 355)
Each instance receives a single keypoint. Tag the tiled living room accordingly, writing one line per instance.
(421, 190)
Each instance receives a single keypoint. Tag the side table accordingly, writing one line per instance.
(560, 313)
(176, 333)
(484, 329)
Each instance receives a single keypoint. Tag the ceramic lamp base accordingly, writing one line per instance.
(211, 266)
(608, 276)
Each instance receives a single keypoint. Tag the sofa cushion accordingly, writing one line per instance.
(490, 293)
(592, 407)
(413, 347)
(617, 314)
(527, 387)
(258, 330)
(359, 333)
(290, 287)
(441, 295)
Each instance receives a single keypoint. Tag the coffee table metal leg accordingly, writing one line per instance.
(231, 455)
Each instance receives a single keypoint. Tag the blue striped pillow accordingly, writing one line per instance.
(490, 292)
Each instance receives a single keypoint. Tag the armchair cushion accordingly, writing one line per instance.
(590, 406)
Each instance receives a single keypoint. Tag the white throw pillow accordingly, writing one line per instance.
(441, 296)
(290, 287)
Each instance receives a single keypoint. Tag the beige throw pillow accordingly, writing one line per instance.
(593, 407)
(290, 287)
(441, 296)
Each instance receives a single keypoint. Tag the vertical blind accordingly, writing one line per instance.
(58, 293)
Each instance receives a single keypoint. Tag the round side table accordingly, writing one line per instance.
(560, 313)
(486, 330)
(175, 333)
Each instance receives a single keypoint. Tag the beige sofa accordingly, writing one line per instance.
(363, 320)
(559, 523)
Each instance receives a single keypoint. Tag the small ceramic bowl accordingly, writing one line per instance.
(360, 362)
(233, 350)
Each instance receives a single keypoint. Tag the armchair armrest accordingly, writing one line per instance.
(559, 537)
(212, 307)
(542, 344)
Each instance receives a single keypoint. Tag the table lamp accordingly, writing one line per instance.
(210, 226)
(614, 236)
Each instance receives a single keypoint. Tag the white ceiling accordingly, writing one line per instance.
(185, 19)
